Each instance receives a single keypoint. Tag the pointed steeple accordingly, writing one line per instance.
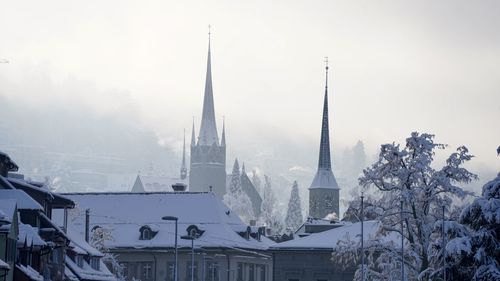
(324, 176)
(208, 130)
(183, 166)
(243, 168)
(193, 136)
(324, 148)
(223, 138)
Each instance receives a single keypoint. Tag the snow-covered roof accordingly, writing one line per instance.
(145, 183)
(28, 186)
(80, 246)
(4, 265)
(24, 201)
(328, 239)
(7, 209)
(125, 213)
(30, 235)
(86, 272)
(29, 272)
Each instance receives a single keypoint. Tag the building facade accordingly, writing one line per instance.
(225, 249)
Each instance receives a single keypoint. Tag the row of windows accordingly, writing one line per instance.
(250, 272)
(144, 271)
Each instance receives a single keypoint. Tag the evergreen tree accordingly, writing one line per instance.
(474, 253)
(236, 199)
(270, 216)
(294, 214)
(256, 181)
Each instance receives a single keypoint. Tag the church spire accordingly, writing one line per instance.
(193, 136)
(183, 166)
(223, 138)
(324, 176)
(208, 129)
(324, 149)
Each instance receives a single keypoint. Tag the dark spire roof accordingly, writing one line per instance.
(324, 148)
(223, 139)
(183, 166)
(208, 129)
(193, 136)
(324, 176)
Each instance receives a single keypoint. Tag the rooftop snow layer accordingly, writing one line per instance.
(328, 239)
(24, 201)
(125, 213)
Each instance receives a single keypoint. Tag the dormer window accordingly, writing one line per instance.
(147, 233)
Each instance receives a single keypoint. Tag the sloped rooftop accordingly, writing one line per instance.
(125, 213)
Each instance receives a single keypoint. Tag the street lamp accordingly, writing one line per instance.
(172, 218)
(189, 237)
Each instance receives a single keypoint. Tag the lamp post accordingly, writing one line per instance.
(172, 218)
(189, 237)
(362, 238)
(444, 246)
(402, 245)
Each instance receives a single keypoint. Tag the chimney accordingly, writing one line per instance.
(179, 187)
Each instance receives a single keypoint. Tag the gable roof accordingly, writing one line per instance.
(125, 213)
(144, 183)
(327, 240)
(24, 201)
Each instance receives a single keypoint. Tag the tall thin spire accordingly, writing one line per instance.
(183, 166)
(208, 130)
(193, 136)
(324, 176)
(324, 148)
(223, 138)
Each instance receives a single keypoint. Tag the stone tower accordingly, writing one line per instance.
(324, 190)
(208, 156)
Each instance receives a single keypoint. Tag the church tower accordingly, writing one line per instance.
(324, 190)
(208, 155)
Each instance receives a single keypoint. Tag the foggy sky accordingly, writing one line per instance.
(396, 67)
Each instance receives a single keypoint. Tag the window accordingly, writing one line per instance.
(146, 234)
(212, 272)
(170, 271)
(94, 263)
(188, 271)
(251, 272)
(79, 260)
(240, 275)
(146, 271)
(124, 266)
(261, 269)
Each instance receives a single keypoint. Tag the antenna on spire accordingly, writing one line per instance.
(209, 33)
(326, 71)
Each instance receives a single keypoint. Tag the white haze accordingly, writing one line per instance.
(396, 67)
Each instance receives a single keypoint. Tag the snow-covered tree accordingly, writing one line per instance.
(270, 216)
(294, 213)
(405, 174)
(256, 181)
(474, 253)
(98, 238)
(236, 199)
